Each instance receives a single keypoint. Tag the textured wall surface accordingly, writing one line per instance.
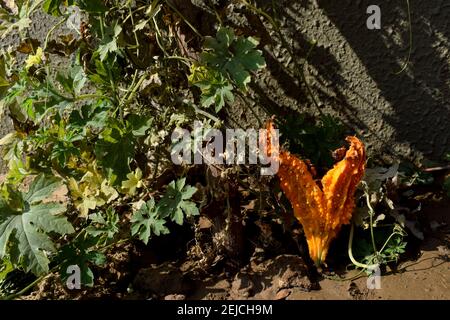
(410, 111)
(352, 69)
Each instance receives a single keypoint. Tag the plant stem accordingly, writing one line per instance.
(345, 279)
(131, 95)
(184, 19)
(28, 287)
(134, 31)
(91, 96)
(206, 114)
(47, 37)
(387, 241)
(408, 59)
(24, 290)
(350, 253)
(371, 214)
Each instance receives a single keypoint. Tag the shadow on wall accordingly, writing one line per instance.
(420, 96)
(415, 103)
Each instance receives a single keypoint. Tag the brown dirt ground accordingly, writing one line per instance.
(283, 277)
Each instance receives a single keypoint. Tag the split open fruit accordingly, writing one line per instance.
(322, 208)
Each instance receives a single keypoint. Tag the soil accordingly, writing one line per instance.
(138, 272)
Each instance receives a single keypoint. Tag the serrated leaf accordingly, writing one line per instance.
(80, 253)
(104, 227)
(25, 233)
(175, 202)
(34, 59)
(91, 191)
(216, 90)
(109, 45)
(147, 222)
(42, 187)
(114, 152)
(133, 182)
(141, 25)
(232, 56)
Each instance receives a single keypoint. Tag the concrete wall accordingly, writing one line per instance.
(352, 71)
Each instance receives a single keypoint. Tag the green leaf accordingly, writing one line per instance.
(109, 44)
(80, 253)
(140, 124)
(226, 60)
(247, 55)
(52, 7)
(232, 56)
(175, 202)
(25, 233)
(5, 268)
(224, 38)
(42, 187)
(114, 152)
(90, 117)
(216, 90)
(133, 183)
(147, 222)
(104, 227)
(92, 6)
(74, 81)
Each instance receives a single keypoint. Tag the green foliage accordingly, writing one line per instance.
(314, 139)
(53, 6)
(226, 60)
(147, 222)
(92, 6)
(150, 219)
(410, 175)
(81, 253)
(382, 237)
(234, 57)
(114, 151)
(216, 89)
(175, 204)
(26, 224)
(19, 20)
(91, 123)
(104, 227)
(109, 42)
(392, 249)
